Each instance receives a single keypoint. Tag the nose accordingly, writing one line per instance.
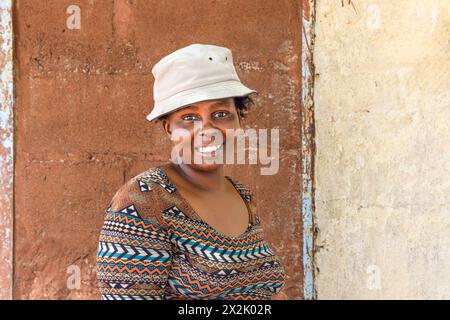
(204, 125)
(208, 123)
(206, 131)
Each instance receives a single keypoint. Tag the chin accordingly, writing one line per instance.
(205, 167)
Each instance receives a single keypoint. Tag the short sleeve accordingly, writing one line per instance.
(134, 252)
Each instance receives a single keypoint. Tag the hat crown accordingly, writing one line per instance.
(198, 72)
(190, 67)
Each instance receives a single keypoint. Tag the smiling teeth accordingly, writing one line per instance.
(208, 149)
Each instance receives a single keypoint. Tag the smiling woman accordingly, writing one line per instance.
(184, 230)
(204, 128)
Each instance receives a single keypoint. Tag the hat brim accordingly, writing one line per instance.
(221, 90)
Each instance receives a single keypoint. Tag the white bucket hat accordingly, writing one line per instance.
(195, 73)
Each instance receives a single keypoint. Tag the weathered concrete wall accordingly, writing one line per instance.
(82, 98)
(382, 99)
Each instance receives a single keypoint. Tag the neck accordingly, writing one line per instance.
(203, 180)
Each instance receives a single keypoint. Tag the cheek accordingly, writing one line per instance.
(230, 122)
(230, 126)
(182, 132)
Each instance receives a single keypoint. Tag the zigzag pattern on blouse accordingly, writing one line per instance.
(175, 256)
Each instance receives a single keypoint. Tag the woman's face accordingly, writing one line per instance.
(201, 121)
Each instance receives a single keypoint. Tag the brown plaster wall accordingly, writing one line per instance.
(80, 133)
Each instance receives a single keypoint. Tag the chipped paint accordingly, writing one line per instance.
(373, 18)
(434, 16)
(6, 148)
(308, 147)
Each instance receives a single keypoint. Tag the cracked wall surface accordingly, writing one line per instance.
(382, 102)
(82, 98)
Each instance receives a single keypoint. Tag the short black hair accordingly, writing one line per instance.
(242, 104)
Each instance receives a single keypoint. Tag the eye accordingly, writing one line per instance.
(221, 114)
(190, 117)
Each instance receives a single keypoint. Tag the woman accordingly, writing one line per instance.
(184, 230)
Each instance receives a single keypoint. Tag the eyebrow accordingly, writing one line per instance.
(216, 104)
(220, 103)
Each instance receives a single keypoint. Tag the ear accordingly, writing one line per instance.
(166, 126)
(233, 101)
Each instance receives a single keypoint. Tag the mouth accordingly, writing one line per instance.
(209, 149)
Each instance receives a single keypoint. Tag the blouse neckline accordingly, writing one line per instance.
(193, 214)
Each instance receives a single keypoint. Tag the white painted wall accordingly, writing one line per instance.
(382, 101)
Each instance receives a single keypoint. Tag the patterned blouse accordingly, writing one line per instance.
(154, 246)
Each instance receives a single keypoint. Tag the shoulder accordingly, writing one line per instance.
(248, 195)
(243, 189)
(144, 196)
